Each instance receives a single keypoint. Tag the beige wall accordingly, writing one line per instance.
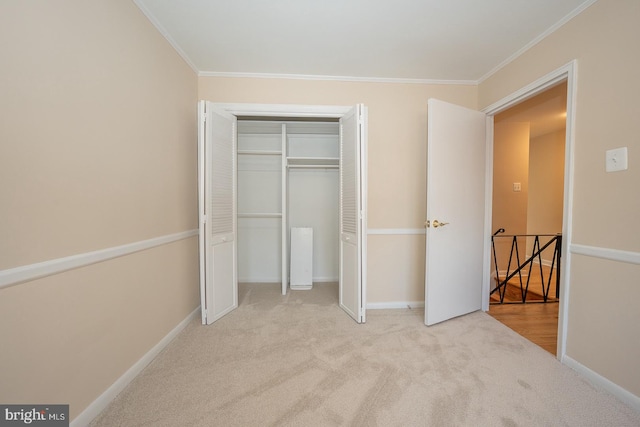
(397, 155)
(603, 39)
(510, 165)
(546, 183)
(546, 187)
(98, 131)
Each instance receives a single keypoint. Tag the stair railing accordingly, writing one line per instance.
(536, 255)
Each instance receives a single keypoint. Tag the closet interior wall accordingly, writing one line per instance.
(288, 176)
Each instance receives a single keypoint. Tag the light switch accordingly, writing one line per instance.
(517, 186)
(616, 160)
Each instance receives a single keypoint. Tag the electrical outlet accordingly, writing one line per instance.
(517, 186)
(616, 160)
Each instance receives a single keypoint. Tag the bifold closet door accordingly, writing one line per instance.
(352, 213)
(217, 212)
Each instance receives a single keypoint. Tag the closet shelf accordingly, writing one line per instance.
(259, 215)
(261, 152)
(302, 162)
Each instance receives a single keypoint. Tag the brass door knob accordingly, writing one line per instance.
(436, 223)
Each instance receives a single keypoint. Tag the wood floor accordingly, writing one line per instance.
(538, 322)
(535, 320)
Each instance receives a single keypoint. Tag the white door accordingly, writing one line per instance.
(352, 212)
(455, 211)
(217, 212)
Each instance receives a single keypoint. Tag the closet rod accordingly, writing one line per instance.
(313, 166)
(261, 152)
(259, 215)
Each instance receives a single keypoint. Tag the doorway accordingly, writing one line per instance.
(557, 88)
(528, 194)
(218, 189)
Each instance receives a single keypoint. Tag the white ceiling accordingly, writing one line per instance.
(434, 40)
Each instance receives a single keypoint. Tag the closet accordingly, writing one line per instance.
(265, 169)
(287, 177)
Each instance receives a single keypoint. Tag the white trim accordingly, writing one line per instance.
(567, 220)
(538, 39)
(325, 279)
(26, 273)
(337, 78)
(488, 281)
(606, 253)
(395, 305)
(274, 280)
(284, 110)
(568, 72)
(363, 180)
(395, 231)
(294, 110)
(532, 89)
(98, 405)
(165, 34)
(602, 382)
(202, 128)
(503, 273)
(545, 262)
(284, 208)
(266, 281)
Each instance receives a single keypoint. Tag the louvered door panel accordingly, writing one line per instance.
(348, 179)
(222, 175)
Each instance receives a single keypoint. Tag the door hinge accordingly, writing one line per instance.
(204, 219)
(361, 116)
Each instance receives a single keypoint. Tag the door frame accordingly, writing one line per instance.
(312, 111)
(568, 73)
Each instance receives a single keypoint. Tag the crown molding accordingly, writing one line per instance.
(337, 78)
(577, 11)
(166, 35)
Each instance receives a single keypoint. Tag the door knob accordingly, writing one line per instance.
(436, 223)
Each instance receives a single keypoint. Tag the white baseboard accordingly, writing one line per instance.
(600, 381)
(395, 304)
(98, 405)
(260, 280)
(279, 280)
(325, 279)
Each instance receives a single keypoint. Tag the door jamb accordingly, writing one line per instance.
(322, 111)
(284, 110)
(567, 72)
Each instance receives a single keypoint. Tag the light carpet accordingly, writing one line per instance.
(299, 360)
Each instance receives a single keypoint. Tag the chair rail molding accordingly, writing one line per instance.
(395, 231)
(27, 273)
(606, 253)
